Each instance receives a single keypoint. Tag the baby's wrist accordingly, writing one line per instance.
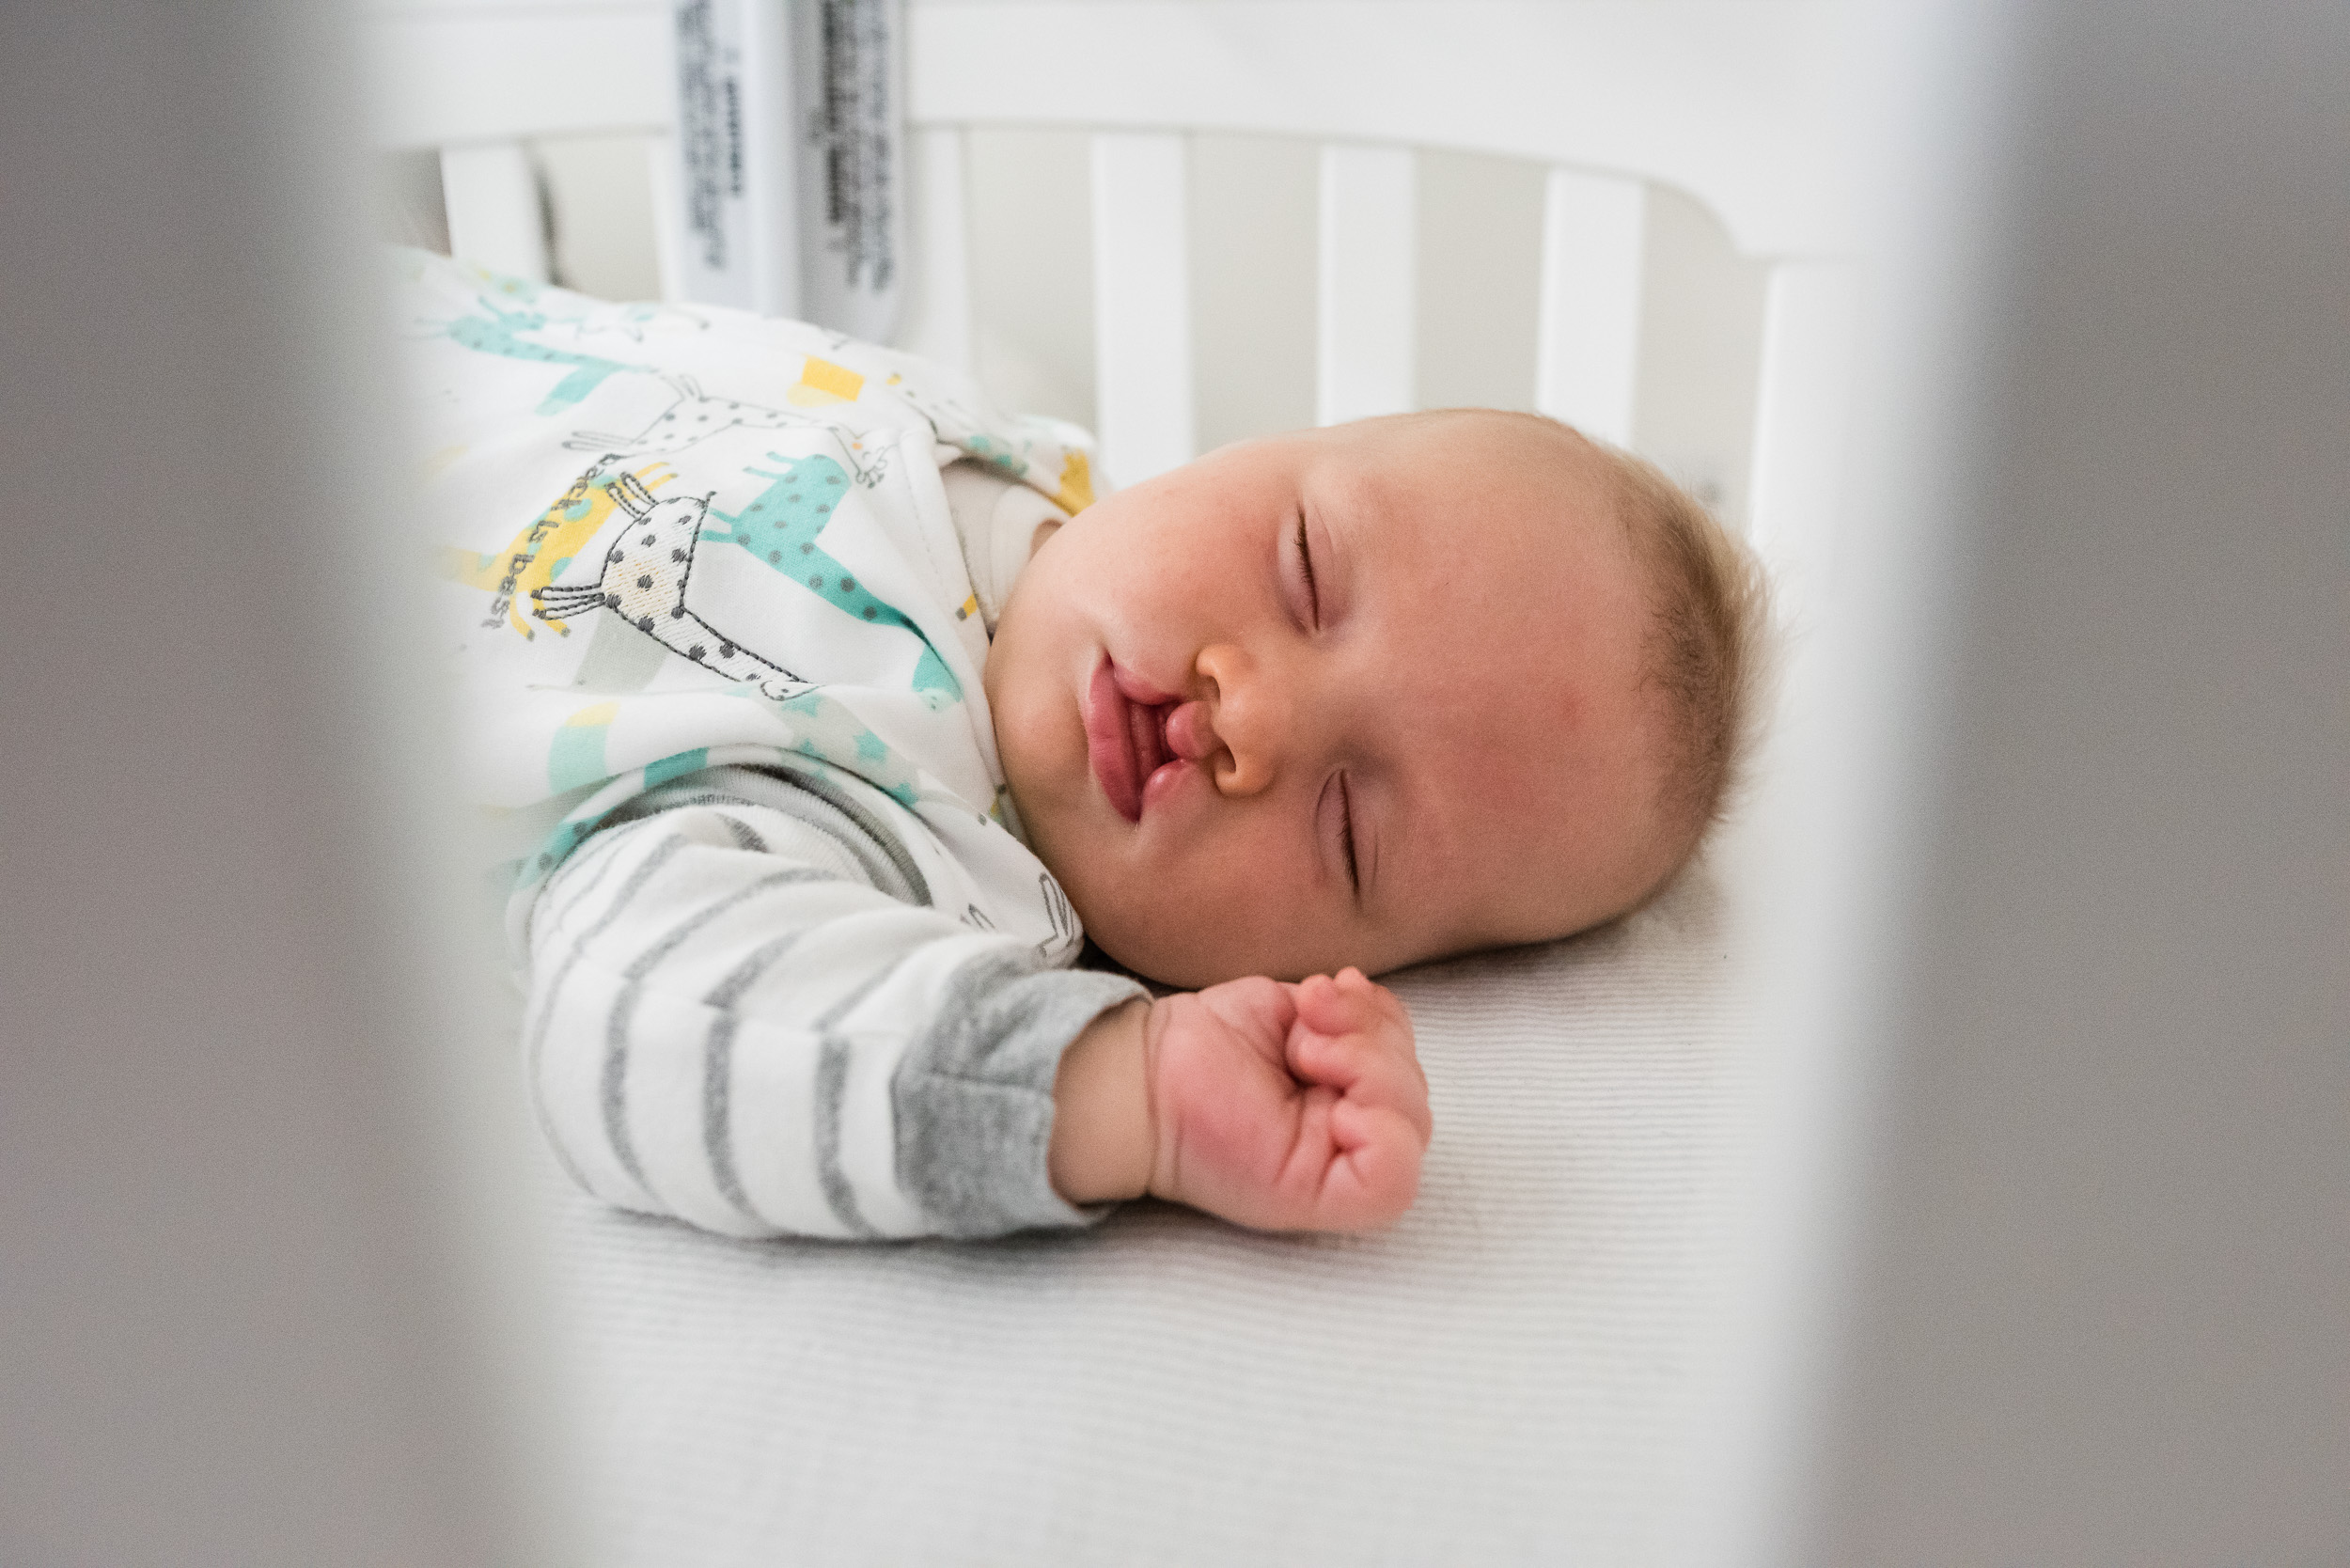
(1104, 1145)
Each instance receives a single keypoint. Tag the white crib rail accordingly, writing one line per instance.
(458, 72)
(1730, 101)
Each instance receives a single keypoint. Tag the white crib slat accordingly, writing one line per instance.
(497, 218)
(1801, 405)
(668, 215)
(1588, 354)
(1363, 364)
(938, 319)
(1141, 306)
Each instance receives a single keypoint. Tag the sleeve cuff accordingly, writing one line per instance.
(973, 1097)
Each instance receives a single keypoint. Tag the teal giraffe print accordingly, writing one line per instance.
(496, 333)
(781, 528)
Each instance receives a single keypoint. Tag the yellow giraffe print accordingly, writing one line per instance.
(1076, 485)
(531, 559)
(822, 382)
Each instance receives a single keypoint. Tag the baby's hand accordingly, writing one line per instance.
(1287, 1108)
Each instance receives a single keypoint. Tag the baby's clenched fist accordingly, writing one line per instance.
(1287, 1106)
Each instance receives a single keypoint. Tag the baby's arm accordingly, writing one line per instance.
(1285, 1107)
(746, 1012)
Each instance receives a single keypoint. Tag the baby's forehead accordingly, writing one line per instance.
(1516, 621)
(1518, 557)
(1472, 440)
(1461, 475)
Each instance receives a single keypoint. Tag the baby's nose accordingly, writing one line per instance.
(1190, 734)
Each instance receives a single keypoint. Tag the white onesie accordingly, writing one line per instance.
(720, 588)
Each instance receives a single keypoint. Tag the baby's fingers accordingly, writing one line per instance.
(1349, 1003)
(1374, 1172)
(1366, 1070)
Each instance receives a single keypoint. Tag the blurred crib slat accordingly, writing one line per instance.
(1588, 348)
(938, 319)
(1368, 288)
(496, 211)
(669, 207)
(1800, 410)
(1142, 304)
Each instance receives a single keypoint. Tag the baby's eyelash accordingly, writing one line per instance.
(1346, 834)
(1306, 559)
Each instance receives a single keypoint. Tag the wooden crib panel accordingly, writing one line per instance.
(1142, 304)
(1368, 288)
(1588, 348)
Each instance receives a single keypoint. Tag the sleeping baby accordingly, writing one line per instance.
(825, 713)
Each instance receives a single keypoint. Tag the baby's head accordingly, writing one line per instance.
(1373, 694)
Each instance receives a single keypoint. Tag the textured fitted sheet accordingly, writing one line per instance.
(1505, 1376)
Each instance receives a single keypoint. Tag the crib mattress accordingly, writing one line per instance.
(1510, 1374)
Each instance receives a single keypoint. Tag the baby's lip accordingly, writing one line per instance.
(1126, 722)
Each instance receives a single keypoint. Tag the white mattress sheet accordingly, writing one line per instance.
(1505, 1376)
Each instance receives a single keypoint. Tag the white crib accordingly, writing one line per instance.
(1515, 1373)
(1732, 103)
(2070, 889)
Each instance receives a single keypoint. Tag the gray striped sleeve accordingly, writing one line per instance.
(974, 1094)
(673, 1105)
(616, 1023)
(811, 800)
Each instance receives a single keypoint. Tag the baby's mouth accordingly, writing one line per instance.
(1125, 736)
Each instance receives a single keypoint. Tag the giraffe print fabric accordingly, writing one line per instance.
(663, 534)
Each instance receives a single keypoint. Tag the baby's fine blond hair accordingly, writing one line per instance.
(1708, 639)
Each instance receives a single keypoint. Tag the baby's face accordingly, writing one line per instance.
(1365, 694)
